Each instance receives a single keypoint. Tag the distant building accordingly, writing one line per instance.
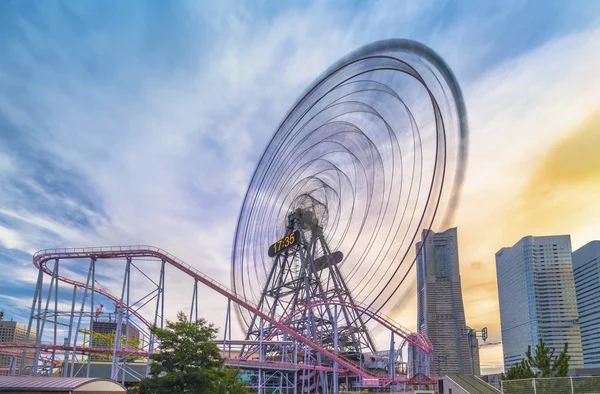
(586, 271)
(103, 336)
(536, 291)
(440, 310)
(13, 332)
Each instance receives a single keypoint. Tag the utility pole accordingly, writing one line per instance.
(439, 359)
(472, 339)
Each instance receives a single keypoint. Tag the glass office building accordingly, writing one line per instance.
(536, 291)
(586, 270)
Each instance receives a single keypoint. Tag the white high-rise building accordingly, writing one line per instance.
(586, 270)
(536, 291)
(12, 332)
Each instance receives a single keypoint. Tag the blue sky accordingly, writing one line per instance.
(141, 122)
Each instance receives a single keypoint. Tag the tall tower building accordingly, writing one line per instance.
(586, 271)
(537, 298)
(440, 310)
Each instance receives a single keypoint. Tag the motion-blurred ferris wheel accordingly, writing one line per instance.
(369, 156)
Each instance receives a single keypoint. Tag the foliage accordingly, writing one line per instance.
(543, 361)
(561, 363)
(188, 363)
(521, 370)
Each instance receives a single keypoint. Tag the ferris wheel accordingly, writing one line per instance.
(372, 154)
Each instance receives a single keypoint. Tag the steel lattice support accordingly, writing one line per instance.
(84, 317)
(308, 275)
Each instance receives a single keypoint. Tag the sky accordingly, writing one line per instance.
(141, 123)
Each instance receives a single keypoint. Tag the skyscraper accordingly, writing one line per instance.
(440, 310)
(537, 298)
(586, 270)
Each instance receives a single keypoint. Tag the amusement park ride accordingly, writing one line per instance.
(369, 156)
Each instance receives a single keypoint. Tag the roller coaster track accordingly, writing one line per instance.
(47, 347)
(42, 257)
(15, 349)
(419, 340)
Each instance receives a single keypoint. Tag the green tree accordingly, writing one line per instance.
(521, 370)
(543, 361)
(188, 362)
(547, 365)
(561, 363)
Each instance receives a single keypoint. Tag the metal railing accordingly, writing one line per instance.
(47, 254)
(566, 385)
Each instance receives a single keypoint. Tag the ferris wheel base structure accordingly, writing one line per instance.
(47, 320)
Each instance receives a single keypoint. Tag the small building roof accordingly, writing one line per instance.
(47, 384)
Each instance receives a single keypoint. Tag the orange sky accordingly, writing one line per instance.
(534, 168)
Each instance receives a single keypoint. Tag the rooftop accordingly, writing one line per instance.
(11, 383)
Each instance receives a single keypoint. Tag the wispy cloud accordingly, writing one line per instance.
(529, 115)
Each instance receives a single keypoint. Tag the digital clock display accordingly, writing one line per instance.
(284, 243)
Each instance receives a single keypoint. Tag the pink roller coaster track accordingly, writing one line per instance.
(15, 349)
(41, 258)
(47, 347)
(419, 340)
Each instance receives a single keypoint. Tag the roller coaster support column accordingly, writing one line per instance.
(194, 302)
(37, 331)
(162, 294)
(336, 386)
(229, 313)
(284, 358)
(117, 341)
(12, 366)
(85, 290)
(295, 367)
(227, 328)
(392, 359)
(36, 294)
(260, 358)
(55, 317)
(40, 331)
(159, 302)
(89, 360)
(127, 322)
(66, 360)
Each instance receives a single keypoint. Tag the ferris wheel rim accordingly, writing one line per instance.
(413, 48)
